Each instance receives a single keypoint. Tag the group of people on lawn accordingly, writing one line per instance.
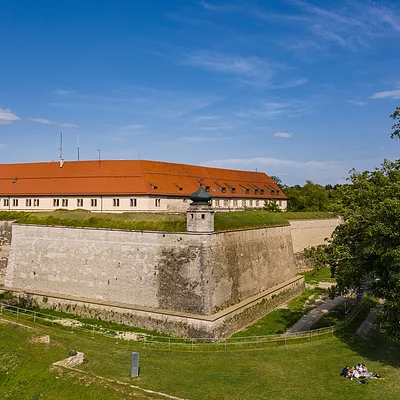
(358, 371)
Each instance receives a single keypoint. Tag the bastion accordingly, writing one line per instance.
(195, 284)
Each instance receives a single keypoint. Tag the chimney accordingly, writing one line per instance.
(61, 162)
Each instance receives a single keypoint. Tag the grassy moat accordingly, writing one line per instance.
(224, 221)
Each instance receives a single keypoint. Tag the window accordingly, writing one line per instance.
(79, 202)
(133, 202)
(217, 203)
(280, 203)
(93, 202)
(255, 191)
(223, 190)
(261, 191)
(203, 216)
(15, 202)
(233, 190)
(158, 202)
(277, 192)
(257, 203)
(116, 202)
(28, 202)
(250, 203)
(56, 202)
(235, 203)
(207, 188)
(6, 202)
(65, 202)
(272, 191)
(247, 191)
(36, 202)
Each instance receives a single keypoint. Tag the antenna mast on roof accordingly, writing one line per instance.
(77, 142)
(61, 146)
(98, 150)
(61, 155)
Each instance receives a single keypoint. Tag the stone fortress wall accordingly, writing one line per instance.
(189, 284)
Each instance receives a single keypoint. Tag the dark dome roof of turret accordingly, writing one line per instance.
(200, 196)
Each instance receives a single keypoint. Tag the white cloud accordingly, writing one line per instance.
(392, 94)
(7, 116)
(64, 92)
(357, 103)
(267, 161)
(133, 127)
(270, 110)
(68, 125)
(45, 121)
(250, 70)
(283, 135)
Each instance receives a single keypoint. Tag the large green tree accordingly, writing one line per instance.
(365, 250)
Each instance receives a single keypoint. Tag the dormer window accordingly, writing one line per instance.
(155, 187)
(272, 191)
(261, 191)
(277, 192)
(255, 191)
(223, 190)
(233, 190)
(207, 189)
(247, 191)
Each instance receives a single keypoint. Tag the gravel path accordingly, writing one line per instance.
(306, 322)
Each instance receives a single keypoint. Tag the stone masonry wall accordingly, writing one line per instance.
(186, 272)
(306, 233)
(5, 245)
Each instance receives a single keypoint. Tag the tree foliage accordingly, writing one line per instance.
(310, 197)
(365, 250)
(396, 125)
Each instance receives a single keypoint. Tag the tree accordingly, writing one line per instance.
(365, 250)
(310, 197)
(396, 126)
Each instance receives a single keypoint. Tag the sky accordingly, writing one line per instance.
(299, 89)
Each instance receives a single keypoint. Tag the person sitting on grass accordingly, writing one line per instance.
(345, 372)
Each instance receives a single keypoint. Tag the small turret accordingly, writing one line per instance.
(200, 215)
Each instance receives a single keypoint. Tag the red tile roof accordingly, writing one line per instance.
(120, 177)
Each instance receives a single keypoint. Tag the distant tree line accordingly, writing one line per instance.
(311, 196)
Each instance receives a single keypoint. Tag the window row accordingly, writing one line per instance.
(66, 202)
(240, 203)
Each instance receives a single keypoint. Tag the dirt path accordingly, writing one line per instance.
(306, 322)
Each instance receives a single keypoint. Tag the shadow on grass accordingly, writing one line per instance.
(376, 347)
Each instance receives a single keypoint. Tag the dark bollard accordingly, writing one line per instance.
(135, 365)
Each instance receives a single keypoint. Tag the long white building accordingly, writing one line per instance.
(129, 186)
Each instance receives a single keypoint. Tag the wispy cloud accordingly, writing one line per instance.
(7, 116)
(2, 146)
(283, 135)
(132, 127)
(202, 139)
(270, 110)
(268, 162)
(391, 94)
(45, 121)
(357, 25)
(357, 103)
(61, 92)
(247, 70)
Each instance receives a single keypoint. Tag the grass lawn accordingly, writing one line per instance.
(224, 221)
(279, 320)
(308, 215)
(318, 275)
(306, 371)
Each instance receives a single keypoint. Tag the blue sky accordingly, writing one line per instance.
(298, 89)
